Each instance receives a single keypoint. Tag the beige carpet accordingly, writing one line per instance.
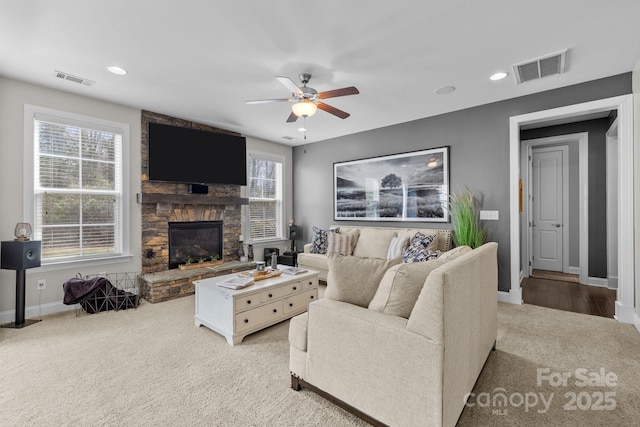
(152, 366)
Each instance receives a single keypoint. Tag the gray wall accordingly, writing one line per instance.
(479, 157)
(597, 130)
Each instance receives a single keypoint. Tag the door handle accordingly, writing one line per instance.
(558, 225)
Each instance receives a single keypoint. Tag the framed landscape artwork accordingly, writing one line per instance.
(410, 187)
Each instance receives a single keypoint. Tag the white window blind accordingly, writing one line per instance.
(78, 189)
(265, 198)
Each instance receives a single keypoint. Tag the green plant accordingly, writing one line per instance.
(466, 220)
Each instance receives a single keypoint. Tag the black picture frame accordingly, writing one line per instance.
(405, 187)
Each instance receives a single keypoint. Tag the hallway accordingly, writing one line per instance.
(569, 296)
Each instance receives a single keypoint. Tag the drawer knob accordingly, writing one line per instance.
(270, 295)
(295, 288)
(275, 310)
(248, 301)
(311, 283)
(290, 304)
(311, 296)
(246, 320)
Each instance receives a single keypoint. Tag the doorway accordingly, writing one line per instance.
(575, 185)
(624, 306)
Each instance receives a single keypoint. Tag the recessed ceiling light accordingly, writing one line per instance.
(117, 70)
(444, 90)
(499, 76)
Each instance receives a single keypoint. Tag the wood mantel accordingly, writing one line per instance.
(191, 199)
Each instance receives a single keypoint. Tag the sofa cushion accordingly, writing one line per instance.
(418, 249)
(397, 246)
(400, 287)
(374, 243)
(455, 252)
(298, 331)
(313, 261)
(354, 280)
(320, 240)
(340, 243)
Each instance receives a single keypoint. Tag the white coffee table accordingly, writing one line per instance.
(237, 313)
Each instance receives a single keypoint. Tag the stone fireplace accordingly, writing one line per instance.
(163, 203)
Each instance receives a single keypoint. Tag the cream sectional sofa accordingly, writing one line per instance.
(388, 369)
(370, 242)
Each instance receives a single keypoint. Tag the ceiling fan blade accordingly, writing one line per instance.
(266, 101)
(333, 110)
(292, 117)
(289, 84)
(351, 90)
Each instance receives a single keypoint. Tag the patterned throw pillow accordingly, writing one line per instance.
(417, 250)
(320, 240)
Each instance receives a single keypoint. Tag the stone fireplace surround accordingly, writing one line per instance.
(164, 202)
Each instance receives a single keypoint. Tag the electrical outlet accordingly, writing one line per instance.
(42, 285)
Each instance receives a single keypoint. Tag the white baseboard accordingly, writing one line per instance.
(35, 312)
(636, 322)
(512, 297)
(612, 282)
(598, 281)
(626, 314)
(573, 270)
(503, 296)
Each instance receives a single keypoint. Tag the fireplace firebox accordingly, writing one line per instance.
(194, 240)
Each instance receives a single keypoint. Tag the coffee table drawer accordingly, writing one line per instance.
(247, 302)
(275, 293)
(299, 301)
(256, 317)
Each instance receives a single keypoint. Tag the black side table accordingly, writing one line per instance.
(288, 258)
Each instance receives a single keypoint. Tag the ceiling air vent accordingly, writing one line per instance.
(288, 138)
(541, 67)
(66, 76)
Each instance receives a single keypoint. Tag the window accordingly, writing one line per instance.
(77, 200)
(265, 197)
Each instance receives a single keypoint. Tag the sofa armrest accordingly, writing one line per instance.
(307, 248)
(371, 361)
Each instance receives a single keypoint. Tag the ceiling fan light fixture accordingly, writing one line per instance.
(304, 108)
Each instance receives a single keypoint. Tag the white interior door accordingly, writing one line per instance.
(547, 206)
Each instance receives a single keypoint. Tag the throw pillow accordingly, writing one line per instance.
(340, 243)
(418, 251)
(355, 235)
(355, 280)
(374, 243)
(400, 287)
(320, 240)
(397, 247)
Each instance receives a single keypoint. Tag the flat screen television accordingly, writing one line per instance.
(178, 154)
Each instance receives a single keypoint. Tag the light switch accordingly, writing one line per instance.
(489, 215)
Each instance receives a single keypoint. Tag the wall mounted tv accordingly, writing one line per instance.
(178, 154)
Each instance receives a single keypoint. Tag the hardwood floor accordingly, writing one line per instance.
(568, 296)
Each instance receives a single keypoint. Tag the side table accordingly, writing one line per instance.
(288, 258)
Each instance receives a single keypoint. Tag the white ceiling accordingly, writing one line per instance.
(202, 59)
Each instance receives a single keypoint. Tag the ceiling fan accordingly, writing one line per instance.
(307, 99)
